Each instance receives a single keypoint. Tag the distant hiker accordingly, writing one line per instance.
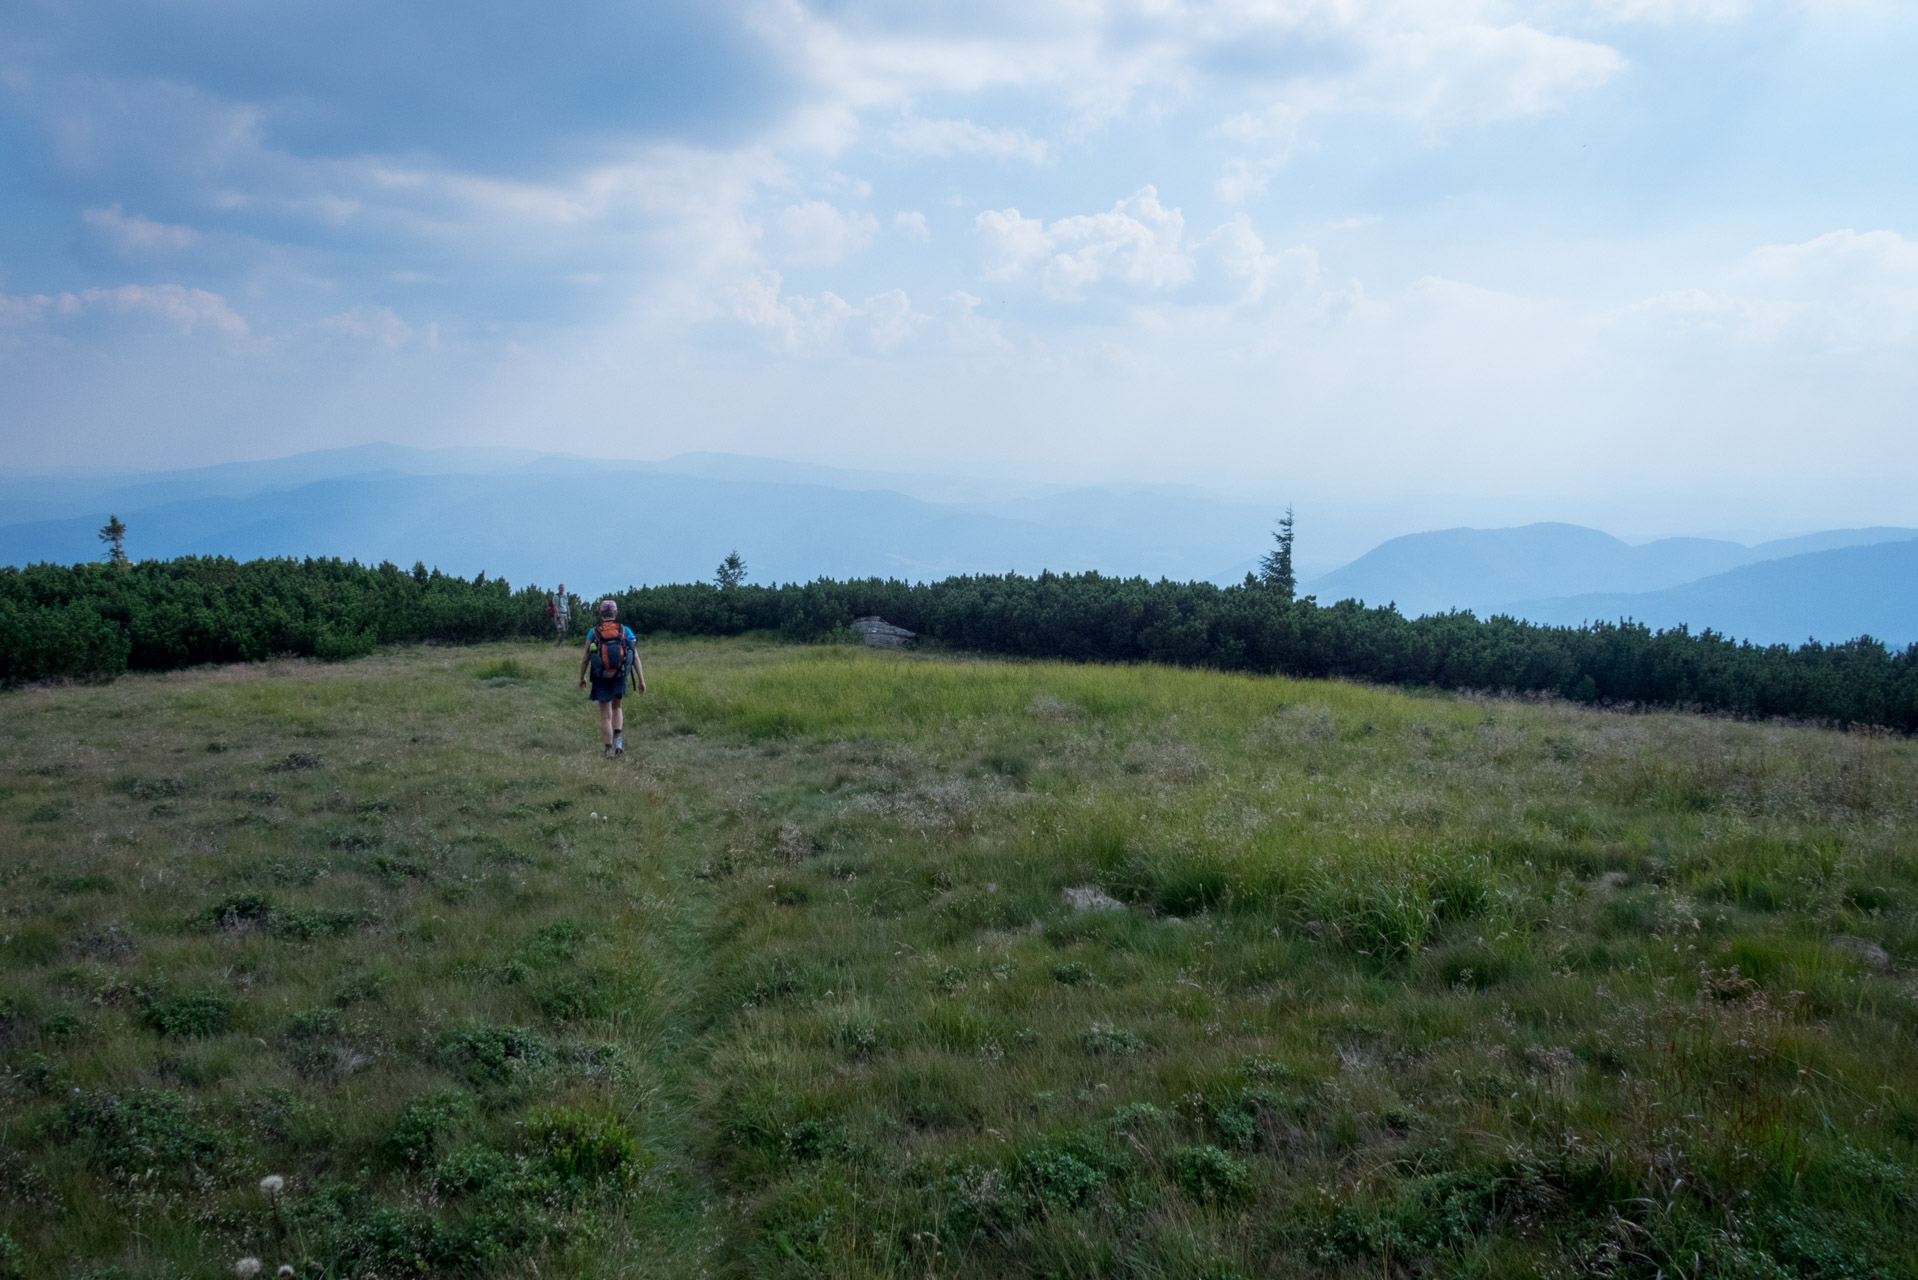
(556, 610)
(611, 658)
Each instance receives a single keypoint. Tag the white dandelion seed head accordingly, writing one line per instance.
(285, 1272)
(272, 1184)
(247, 1268)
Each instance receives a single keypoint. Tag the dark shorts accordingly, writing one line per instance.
(608, 690)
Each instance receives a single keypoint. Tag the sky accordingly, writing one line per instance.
(1651, 258)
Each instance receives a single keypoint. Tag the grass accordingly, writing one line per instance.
(1349, 982)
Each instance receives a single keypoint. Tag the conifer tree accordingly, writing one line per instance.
(732, 570)
(114, 534)
(1275, 566)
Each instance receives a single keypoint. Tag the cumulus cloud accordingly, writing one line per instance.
(1248, 270)
(814, 324)
(891, 321)
(132, 234)
(963, 137)
(816, 234)
(1136, 244)
(1139, 246)
(911, 224)
(368, 323)
(970, 332)
(792, 322)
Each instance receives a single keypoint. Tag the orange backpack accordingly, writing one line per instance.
(612, 653)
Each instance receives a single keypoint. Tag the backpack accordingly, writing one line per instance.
(612, 651)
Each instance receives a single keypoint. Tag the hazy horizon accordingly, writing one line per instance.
(1356, 523)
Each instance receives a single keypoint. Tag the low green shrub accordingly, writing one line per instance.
(423, 1124)
(145, 1129)
(193, 1013)
(1057, 1179)
(573, 997)
(1104, 1040)
(581, 1144)
(1210, 1176)
(493, 1055)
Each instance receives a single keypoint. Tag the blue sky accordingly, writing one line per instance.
(1661, 254)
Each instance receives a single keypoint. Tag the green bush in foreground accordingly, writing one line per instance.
(1235, 976)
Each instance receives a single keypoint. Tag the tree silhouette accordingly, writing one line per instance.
(732, 570)
(114, 534)
(1275, 566)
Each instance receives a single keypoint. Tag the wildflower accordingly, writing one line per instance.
(247, 1268)
(286, 1271)
(271, 1185)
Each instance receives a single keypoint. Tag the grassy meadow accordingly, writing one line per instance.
(866, 964)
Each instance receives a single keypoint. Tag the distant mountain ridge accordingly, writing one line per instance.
(1825, 595)
(1490, 570)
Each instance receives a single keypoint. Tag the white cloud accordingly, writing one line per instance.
(1671, 12)
(1137, 244)
(1437, 67)
(1846, 290)
(1243, 180)
(891, 320)
(133, 234)
(1444, 63)
(911, 224)
(185, 309)
(970, 332)
(815, 234)
(1476, 74)
(368, 323)
(963, 137)
(792, 321)
(813, 325)
(1276, 127)
(1249, 271)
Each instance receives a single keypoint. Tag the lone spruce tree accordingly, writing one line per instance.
(114, 534)
(1275, 566)
(732, 571)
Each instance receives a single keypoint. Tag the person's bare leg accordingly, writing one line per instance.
(619, 727)
(606, 723)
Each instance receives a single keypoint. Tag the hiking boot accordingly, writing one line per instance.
(609, 751)
(619, 751)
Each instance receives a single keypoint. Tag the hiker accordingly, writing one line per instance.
(556, 610)
(612, 658)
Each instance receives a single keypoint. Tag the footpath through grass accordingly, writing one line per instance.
(864, 965)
